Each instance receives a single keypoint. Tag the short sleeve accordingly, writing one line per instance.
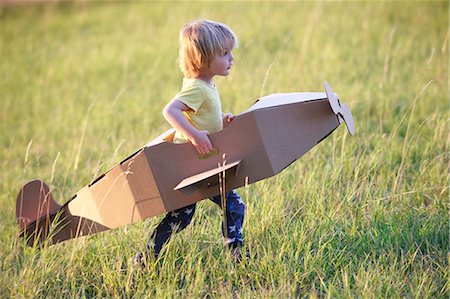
(192, 96)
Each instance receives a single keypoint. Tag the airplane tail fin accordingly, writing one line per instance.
(342, 111)
(34, 202)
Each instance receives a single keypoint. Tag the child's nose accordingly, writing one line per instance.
(231, 57)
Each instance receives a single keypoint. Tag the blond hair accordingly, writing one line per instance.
(200, 41)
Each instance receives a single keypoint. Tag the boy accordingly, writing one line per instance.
(195, 112)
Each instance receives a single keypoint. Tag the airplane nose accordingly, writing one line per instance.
(338, 109)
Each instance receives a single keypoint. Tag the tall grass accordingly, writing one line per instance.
(365, 216)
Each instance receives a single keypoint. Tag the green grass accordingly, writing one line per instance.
(83, 86)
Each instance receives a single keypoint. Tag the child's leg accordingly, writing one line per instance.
(174, 221)
(235, 211)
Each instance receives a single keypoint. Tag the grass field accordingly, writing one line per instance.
(83, 86)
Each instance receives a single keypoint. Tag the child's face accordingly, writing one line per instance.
(221, 64)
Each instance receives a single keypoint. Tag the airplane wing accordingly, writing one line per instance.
(207, 179)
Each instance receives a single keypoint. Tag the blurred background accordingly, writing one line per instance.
(83, 85)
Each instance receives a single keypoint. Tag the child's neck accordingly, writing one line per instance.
(208, 79)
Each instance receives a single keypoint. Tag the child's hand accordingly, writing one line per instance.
(201, 142)
(227, 119)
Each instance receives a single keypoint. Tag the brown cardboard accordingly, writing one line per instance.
(163, 176)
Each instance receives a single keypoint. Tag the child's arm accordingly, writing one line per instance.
(173, 113)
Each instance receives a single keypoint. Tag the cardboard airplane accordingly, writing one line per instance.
(163, 176)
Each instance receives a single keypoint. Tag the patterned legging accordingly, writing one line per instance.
(178, 220)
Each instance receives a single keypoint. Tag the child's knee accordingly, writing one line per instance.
(178, 219)
(237, 203)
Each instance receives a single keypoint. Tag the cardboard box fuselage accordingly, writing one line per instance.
(265, 139)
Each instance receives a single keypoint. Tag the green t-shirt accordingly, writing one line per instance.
(204, 102)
